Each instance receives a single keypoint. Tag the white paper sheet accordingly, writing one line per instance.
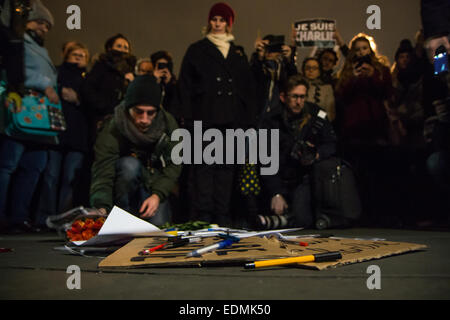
(119, 226)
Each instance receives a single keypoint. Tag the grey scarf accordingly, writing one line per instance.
(126, 127)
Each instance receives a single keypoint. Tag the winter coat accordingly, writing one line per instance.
(291, 171)
(105, 85)
(75, 138)
(111, 145)
(215, 90)
(40, 72)
(361, 111)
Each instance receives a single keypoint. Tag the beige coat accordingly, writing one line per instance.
(326, 97)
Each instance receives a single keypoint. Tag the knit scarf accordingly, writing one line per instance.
(221, 41)
(316, 84)
(126, 127)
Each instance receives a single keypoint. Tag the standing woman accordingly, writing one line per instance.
(216, 87)
(107, 82)
(319, 92)
(61, 178)
(363, 93)
(363, 90)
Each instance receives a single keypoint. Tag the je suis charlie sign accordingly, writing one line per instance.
(315, 33)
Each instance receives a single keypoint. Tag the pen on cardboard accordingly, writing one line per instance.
(169, 245)
(319, 257)
(220, 245)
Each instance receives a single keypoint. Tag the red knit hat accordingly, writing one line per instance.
(223, 10)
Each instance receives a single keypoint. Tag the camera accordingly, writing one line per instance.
(275, 44)
(162, 65)
(303, 152)
(360, 60)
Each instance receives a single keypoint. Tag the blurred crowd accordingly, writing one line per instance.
(388, 118)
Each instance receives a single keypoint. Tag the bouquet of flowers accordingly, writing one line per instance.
(84, 228)
(77, 224)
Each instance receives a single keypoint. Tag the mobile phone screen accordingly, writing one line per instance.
(440, 62)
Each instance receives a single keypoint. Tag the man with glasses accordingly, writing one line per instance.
(133, 168)
(306, 137)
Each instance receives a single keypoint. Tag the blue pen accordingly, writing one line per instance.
(220, 245)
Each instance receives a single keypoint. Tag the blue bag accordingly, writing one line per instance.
(31, 115)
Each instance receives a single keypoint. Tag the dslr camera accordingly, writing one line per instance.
(303, 152)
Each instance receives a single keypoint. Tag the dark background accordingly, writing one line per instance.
(174, 24)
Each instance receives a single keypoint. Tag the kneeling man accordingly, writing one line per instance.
(132, 167)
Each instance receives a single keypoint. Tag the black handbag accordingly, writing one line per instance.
(335, 190)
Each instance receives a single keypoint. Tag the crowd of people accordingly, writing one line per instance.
(388, 122)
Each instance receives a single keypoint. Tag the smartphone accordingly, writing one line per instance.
(162, 65)
(440, 61)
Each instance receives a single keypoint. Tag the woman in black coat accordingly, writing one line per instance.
(106, 83)
(216, 86)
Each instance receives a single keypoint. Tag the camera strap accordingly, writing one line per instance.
(315, 124)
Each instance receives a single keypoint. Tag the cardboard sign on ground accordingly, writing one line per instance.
(352, 250)
(253, 249)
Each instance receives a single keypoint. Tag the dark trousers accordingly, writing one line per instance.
(213, 187)
(300, 203)
(130, 192)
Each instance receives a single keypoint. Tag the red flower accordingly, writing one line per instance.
(85, 229)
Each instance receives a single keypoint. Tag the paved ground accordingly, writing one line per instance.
(34, 270)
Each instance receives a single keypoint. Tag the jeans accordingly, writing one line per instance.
(60, 178)
(26, 163)
(130, 192)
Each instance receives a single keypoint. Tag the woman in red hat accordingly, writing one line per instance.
(216, 87)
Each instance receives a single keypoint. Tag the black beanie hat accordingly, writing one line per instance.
(143, 90)
(405, 46)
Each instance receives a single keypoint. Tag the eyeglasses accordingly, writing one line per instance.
(139, 112)
(297, 96)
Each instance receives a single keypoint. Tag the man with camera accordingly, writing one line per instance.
(133, 167)
(163, 72)
(272, 63)
(306, 137)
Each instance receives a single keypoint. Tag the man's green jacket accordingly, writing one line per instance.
(159, 177)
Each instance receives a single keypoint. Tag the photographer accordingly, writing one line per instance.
(436, 26)
(306, 137)
(272, 64)
(364, 87)
(163, 72)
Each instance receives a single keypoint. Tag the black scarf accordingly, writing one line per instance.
(127, 128)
